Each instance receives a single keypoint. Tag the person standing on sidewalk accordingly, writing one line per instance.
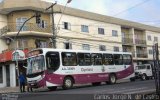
(22, 82)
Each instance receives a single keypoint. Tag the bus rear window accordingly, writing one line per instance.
(69, 59)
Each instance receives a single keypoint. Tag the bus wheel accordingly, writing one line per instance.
(67, 83)
(52, 88)
(96, 83)
(112, 79)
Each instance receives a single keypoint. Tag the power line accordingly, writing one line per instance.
(131, 7)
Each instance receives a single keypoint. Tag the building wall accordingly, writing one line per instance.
(151, 42)
(92, 37)
(94, 45)
(152, 34)
(3, 23)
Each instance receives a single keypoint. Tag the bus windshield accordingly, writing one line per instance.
(35, 64)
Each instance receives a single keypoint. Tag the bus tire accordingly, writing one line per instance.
(96, 83)
(52, 88)
(67, 83)
(112, 79)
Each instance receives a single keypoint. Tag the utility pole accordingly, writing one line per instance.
(53, 25)
(37, 15)
(156, 67)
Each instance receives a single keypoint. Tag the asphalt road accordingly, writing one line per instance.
(88, 92)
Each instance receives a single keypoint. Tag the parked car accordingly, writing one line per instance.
(144, 72)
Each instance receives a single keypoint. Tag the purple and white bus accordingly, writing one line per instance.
(56, 67)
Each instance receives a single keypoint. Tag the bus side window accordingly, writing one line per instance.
(87, 59)
(84, 59)
(69, 59)
(108, 59)
(96, 59)
(118, 59)
(127, 59)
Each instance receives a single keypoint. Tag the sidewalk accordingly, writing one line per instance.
(9, 90)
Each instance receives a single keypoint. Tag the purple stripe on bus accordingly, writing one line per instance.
(85, 78)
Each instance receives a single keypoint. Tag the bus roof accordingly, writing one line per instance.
(86, 51)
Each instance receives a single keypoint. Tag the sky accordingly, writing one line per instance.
(142, 11)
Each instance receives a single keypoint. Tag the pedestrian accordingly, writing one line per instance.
(22, 82)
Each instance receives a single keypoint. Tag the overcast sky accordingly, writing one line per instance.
(143, 11)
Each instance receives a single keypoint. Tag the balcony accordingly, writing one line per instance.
(27, 27)
(140, 42)
(127, 41)
(142, 54)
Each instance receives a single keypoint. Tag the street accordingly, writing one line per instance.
(88, 92)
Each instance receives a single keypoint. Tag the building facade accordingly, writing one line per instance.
(74, 29)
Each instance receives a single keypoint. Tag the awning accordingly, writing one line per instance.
(7, 55)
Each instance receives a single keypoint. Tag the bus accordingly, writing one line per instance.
(51, 68)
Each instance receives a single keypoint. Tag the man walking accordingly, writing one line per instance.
(22, 82)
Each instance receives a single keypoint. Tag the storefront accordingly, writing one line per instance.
(8, 72)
